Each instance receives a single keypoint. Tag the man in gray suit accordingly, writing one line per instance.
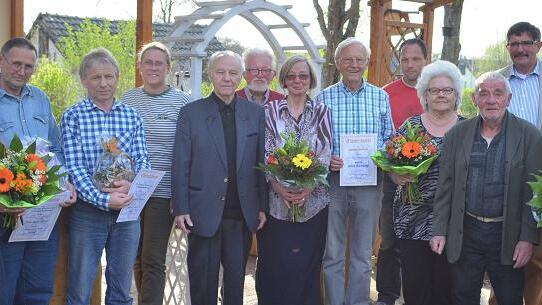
(219, 197)
(480, 213)
(523, 44)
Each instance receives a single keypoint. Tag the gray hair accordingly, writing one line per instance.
(256, 52)
(436, 69)
(348, 42)
(492, 76)
(216, 55)
(287, 66)
(95, 56)
(155, 45)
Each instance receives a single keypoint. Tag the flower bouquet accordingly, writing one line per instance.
(408, 154)
(114, 165)
(536, 201)
(26, 179)
(294, 165)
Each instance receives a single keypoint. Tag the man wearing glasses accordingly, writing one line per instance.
(523, 44)
(259, 72)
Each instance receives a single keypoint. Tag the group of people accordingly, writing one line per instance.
(472, 204)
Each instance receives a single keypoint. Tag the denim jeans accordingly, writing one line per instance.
(28, 269)
(91, 231)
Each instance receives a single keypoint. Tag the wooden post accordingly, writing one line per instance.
(428, 19)
(17, 18)
(143, 29)
(377, 40)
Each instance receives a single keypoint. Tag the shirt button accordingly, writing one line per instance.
(226, 180)
(223, 198)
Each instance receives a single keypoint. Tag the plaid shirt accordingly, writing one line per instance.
(82, 126)
(364, 111)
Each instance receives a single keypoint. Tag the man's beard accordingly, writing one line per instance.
(258, 87)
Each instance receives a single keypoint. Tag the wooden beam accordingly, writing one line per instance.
(436, 4)
(17, 19)
(378, 7)
(428, 20)
(404, 24)
(143, 29)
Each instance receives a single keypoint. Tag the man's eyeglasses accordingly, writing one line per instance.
(302, 77)
(256, 71)
(444, 91)
(19, 65)
(524, 43)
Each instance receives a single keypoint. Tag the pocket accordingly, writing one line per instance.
(5, 126)
(43, 119)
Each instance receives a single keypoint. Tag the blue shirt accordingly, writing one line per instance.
(28, 115)
(364, 111)
(83, 126)
(525, 94)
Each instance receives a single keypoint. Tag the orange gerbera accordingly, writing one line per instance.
(411, 149)
(21, 183)
(39, 165)
(6, 176)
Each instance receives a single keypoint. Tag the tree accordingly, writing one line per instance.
(91, 35)
(495, 57)
(59, 84)
(467, 108)
(451, 29)
(341, 24)
(232, 45)
(166, 7)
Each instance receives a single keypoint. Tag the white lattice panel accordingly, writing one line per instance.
(177, 291)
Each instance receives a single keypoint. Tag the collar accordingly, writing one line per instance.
(536, 71)
(283, 105)
(24, 92)
(503, 125)
(89, 104)
(249, 96)
(222, 106)
(343, 87)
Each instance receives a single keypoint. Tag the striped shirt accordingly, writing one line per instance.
(159, 113)
(83, 125)
(526, 94)
(364, 111)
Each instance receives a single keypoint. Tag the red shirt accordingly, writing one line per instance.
(270, 95)
(404, 101)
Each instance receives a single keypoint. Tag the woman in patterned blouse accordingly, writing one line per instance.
(425, 275)
(290, 253)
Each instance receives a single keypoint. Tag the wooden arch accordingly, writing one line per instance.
(220, 12)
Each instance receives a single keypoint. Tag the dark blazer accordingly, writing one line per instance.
(523, 147)
(200, 174)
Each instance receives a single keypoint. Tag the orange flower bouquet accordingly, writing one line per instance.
(408, 154)
(26, 180)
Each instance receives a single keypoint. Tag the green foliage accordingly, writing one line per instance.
(90, 36)
(58, 83)
(536, 201)
(468, 109)
(495, 57)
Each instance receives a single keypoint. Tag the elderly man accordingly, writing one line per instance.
(523, 44)
(219, 197)
(27, 269)
(259, 72)
(404, 103)
(480, 211)
(357, 107)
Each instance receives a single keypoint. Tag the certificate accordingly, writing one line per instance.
(142, 188)
(38, 223)
(358, 168)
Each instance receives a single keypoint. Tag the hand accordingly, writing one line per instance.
(184, 222)
(402, 179)
(73, 195)
(17, 211)
(437, 244)
(262, 218)
(336, 163)
(122, 186)
(285, 193)
(119, 200)
(300, 197)
(522, 253)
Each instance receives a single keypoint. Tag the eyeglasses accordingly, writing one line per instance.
(256, 71)
(19, 66)
(524, 43)
(351, 60)
(302, 77)
(444, 91)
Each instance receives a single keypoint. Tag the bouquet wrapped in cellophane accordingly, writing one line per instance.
(294, 165)
(408, 154)
(114, 165)
(26, 178)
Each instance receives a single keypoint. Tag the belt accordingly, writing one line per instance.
(486, 219)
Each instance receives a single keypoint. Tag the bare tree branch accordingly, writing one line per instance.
(352, 15)
(320, 18)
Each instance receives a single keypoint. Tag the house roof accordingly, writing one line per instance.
(55, 26)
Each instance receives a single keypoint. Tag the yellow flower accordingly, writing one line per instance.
(302, 161)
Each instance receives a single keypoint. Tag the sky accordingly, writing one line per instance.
(484, 22)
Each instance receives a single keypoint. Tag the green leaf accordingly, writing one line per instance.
(16, 144)
(2, 151)
(31, 149)
(535, 186)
